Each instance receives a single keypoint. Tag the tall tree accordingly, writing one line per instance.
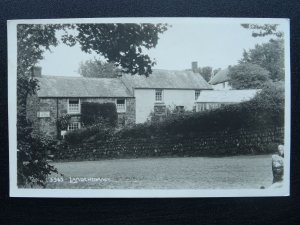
(206, 72)
(97, 68)
(32, 41)
(261, 30)
(247, 76)
(122, 44)
(269, 56)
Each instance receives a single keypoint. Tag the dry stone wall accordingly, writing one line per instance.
(213, 144)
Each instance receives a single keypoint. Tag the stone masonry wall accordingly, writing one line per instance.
(59, 106)
(213, 144)
(45, 125)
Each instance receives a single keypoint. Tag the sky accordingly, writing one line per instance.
(215, 44)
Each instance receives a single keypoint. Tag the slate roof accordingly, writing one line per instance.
(167, 79)
(58, 86)
(220, 77)
(63, 86)
(226, 96)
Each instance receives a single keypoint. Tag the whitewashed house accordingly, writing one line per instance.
(164, 89)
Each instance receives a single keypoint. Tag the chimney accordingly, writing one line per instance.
(36, 71)
(195, 67)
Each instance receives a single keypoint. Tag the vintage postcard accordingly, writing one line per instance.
(149, 107)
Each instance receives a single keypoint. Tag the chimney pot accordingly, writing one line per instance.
(195, 67)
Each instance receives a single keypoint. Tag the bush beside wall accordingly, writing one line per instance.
(209, 144)
(101, 130)
(93, 112)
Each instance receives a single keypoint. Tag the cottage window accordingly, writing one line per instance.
(197, 94)
(202, 107)
(158, 96)
(74, 126)
(74, 106)
(121, 106)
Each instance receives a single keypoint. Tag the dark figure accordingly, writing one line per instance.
(278, 165)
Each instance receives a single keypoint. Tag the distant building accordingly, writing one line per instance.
(212, 99)
(220, 80)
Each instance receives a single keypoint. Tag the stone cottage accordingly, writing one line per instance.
(135, 96)
(58, 96)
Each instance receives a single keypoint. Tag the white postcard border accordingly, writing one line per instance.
(137, 193)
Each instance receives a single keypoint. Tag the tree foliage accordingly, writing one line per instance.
(271, 97)
(247, 76)
(259, 30)
(206, 72)
(32, 41)
(97, 68)
(32, 159)
(63, 122)
(121, 44)
(269, 56)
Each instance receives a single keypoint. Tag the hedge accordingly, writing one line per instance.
(97, 131)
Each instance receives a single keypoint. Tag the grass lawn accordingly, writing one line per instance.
(166, 173)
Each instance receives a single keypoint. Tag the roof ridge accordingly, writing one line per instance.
(75, 77)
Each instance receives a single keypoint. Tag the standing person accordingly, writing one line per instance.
(278, 165)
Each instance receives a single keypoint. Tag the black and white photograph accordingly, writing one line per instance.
(149, 107)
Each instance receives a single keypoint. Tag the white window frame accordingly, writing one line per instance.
(79, 125)
(118, 110)
(197, 94)
(162, 95)
(202, 107)
(79, 106)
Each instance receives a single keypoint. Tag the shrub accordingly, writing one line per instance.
(32, 157)
(92, 113)
(63, 121)
(102, 130)
(171, 111)
(247, 76)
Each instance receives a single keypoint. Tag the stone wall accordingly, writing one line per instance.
(59, 106)
(212, 144)
(42, 125)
